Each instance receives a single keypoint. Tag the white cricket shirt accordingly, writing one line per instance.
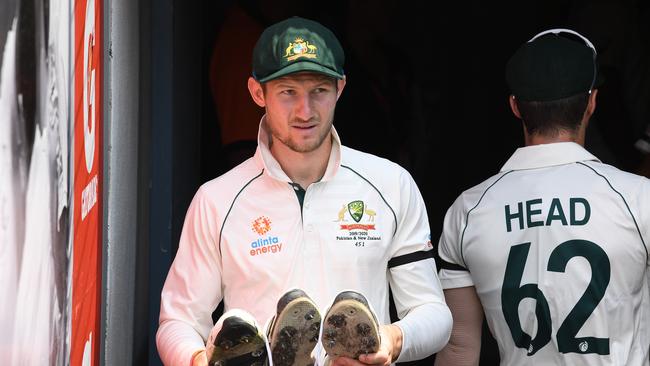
(247, 240)
(556, 246)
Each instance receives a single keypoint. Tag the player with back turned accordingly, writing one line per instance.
(552, 250)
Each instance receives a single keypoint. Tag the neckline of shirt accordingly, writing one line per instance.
(545, 155)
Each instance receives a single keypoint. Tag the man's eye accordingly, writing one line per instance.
(288, 92)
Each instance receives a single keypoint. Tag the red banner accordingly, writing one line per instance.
(358, 227)
(87, 219)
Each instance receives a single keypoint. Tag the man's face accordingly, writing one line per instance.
(300, 109)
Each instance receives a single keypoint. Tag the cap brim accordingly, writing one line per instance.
(300, 67)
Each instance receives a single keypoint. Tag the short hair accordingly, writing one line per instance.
(316, 75)
(550, 117)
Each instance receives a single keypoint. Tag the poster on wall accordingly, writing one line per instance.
(87, 213)
(50, 257)
(35, 245)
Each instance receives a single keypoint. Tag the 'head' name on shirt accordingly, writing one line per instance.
(539, 214)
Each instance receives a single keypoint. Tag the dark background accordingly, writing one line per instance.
(425, 84)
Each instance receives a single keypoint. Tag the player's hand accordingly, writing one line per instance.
(200, 359)
(389, 349)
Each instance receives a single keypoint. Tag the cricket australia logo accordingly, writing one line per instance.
(264, 245)
(362, 221)
(300, 48)
(356, 210)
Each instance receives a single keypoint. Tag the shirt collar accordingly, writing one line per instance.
(272, 166)
(545, 155)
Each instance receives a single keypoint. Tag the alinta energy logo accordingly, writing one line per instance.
(270, 244)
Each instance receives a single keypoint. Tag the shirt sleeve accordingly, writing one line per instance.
(192, 289)
(425, 319)
(453, 272)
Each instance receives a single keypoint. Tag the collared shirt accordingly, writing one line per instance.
(556, 247)
(247, 239)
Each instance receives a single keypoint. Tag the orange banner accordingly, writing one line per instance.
(87, 220)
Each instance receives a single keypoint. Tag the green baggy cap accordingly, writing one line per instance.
(297, 44)
(555, 64)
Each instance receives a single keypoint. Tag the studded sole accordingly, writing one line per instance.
(295, 334)
(349, 330)
(241, 346)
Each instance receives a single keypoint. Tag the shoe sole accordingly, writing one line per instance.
(295, 333)
(350, 330)
(241, 346)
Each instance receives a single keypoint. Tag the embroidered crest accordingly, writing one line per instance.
(300, 48)
(356, 210)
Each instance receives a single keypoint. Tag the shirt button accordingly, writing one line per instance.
(307, 205)
(310, 228)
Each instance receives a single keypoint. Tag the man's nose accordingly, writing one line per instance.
(304, 108)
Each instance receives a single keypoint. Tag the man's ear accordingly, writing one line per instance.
(591, 106)
(513, 106)
(340, 84)
(257, 93)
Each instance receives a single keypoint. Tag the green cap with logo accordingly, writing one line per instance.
(294, 45)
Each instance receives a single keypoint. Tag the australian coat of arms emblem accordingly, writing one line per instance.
(300, 48)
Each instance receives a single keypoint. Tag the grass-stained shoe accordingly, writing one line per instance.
(350, 328)
(294, 330)
(236, 340)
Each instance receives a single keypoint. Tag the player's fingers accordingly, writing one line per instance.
(200, 359)
(345, 361)
(379, 358)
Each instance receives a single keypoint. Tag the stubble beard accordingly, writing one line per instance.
(305, 147)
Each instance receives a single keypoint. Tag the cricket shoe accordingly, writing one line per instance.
(293, 331)
(236, 340)
(350, 327)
